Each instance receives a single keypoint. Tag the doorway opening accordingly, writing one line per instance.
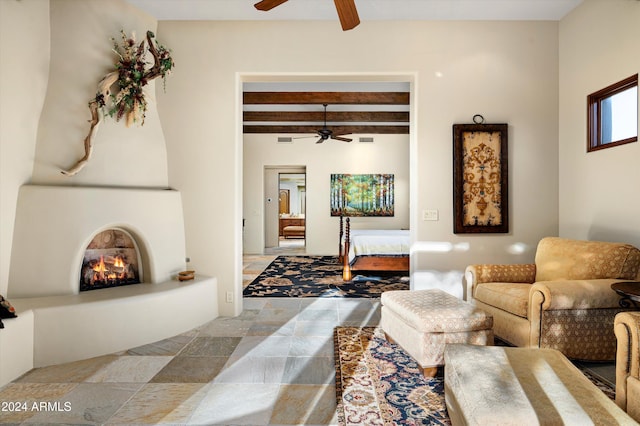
(292, 209)
(285, 210)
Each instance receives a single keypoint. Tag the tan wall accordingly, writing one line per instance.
(599, 191)
(506, 71)
(24, 55)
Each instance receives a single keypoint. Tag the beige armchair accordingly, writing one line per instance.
(562, 301)
(627, 329)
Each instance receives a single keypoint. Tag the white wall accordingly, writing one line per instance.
(506, 71)
(599, 191)
(388, 154)
(24, 55)
(54, 53)
(81, 54)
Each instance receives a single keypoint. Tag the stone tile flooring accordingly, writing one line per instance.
(272, 365)
(253, 265)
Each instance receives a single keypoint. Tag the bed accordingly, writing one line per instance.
(372, 250)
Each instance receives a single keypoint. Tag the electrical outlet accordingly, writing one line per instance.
(430, 215)
(229, 297)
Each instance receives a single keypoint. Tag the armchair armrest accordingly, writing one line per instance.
(580, 294)
(489, 273)
(627, 330)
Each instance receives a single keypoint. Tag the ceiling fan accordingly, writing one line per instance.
(326, 133)
(347, 11)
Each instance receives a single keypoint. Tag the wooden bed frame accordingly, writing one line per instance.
(365, 263)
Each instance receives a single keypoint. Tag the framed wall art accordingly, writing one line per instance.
(480, 178)
(362, 195)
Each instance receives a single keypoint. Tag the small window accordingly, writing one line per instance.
(612, 116)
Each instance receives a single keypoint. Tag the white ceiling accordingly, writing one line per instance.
(369, 10)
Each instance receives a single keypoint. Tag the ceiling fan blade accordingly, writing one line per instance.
(340, 138)
(320, 140)
(268, 4)
(347, 13)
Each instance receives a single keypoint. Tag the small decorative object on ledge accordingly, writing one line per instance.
(480, 193)
(131, 76)
(186, 275)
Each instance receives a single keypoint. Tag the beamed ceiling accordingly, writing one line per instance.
(376, 110)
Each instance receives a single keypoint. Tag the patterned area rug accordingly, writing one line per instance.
(319, 276)
(377, 383)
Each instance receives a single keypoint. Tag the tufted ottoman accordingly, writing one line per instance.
(423, 322)
(496, 385)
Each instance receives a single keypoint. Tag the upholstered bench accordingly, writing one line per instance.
(293, 231)
(423, 322)
(497, 385)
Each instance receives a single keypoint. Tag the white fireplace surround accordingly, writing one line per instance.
(56, 322)
(54, 225)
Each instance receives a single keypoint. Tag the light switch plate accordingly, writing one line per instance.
(430, 215)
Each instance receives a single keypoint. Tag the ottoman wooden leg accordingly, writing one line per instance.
(426, 371)
(429, 371)
(389, 339)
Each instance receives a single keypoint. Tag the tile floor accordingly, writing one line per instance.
(273, 365)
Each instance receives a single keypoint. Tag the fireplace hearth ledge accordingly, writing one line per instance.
(74, 327)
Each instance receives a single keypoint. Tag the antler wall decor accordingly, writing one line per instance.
(128, 101)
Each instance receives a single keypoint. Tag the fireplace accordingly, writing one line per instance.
(86, 235)
(111, 259)
(67, 224)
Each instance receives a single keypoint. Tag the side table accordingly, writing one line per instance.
(630, 292)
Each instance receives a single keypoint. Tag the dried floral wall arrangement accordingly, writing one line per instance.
(128, 101)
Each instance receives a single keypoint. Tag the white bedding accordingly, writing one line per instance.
(367, 242)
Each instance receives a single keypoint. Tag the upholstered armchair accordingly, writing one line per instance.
(563, 301)
(627, 329)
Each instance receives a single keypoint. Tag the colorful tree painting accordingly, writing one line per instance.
(362, 195)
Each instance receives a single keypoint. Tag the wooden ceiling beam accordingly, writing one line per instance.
(337, 130)
(341, 116)
(330, 98)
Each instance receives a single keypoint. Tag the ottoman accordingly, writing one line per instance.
(423, 322)
(495, 385)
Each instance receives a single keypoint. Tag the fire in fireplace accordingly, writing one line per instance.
(110, 260)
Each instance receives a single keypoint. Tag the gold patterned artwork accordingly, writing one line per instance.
(481, 162)
(480, 178)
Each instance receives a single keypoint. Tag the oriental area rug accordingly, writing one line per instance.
(319, 276)
(378, 383)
